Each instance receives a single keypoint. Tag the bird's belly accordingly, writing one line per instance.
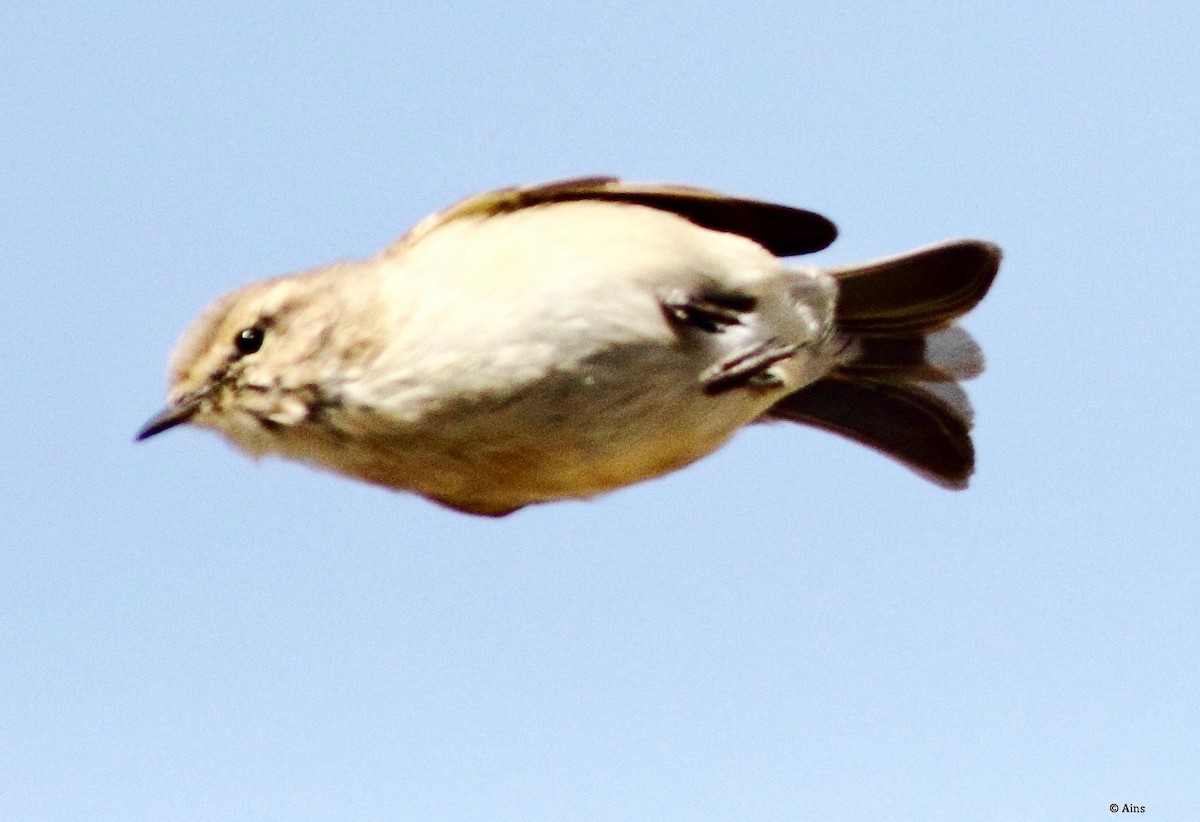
(626, 415)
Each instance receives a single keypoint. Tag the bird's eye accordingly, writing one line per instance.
(249, 340)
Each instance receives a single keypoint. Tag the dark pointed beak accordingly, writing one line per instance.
(174, 414)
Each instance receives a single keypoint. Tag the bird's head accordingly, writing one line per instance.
(257, 363)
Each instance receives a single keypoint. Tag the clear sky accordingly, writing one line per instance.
(793, 628)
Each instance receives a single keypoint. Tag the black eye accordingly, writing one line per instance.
(250, 339)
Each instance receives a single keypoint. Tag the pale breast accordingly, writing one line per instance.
(533, 360)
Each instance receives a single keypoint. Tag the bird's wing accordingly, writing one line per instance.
(782, 230)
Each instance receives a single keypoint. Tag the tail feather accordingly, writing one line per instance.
(898, 392)
(917, 292)
(908, 424)
(942, 356)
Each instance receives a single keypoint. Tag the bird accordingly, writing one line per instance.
(561, 340)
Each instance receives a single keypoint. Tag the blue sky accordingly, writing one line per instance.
(793, 628)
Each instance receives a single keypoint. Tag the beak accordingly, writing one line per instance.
(175, 414)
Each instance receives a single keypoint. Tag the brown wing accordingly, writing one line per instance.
(782, 230)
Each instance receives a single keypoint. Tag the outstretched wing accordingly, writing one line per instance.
(782, 230)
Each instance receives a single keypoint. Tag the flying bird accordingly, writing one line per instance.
(557, 341)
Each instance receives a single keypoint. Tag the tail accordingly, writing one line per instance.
(899, 392)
